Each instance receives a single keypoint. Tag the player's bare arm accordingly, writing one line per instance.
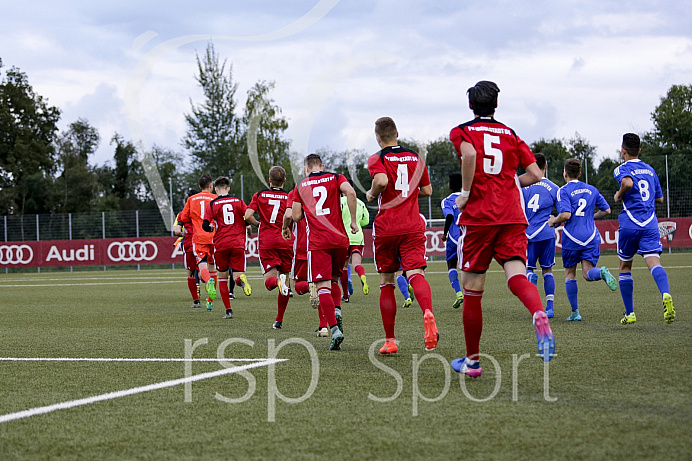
(352, 203)
(425, 191)
(178, 230)
(379, 183)
(468, 170)
(532, 176)
(559, 219)
(250, 217)
(601, 214)
(286, 222)
(625, 185)
(297, 211)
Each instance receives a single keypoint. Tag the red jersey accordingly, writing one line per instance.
(270, 205)
(496, 197)
(406, 172)
(300, 242)
(320, 195)
(227, 213)
(194, 213)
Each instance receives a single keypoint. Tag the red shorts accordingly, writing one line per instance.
(356, 249)
(233, 258)
(276, 257)
(190, 261)
(400, 251)
(300, 270)
(203, 252)
(326, 264)
(478, 245)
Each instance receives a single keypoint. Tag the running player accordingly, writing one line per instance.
(492, 220)
(580, 238)
(450, 235)
(317, 197)
(184, 231)
(539, 200)
(227, 213)
(356, 245)
(193, 213)
(639, 191)
(399, 177)
(275, 253)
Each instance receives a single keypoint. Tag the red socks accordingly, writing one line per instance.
(302, 287)
(192, 286)
(223, 289)
(527, 293)
(359, 270)
(473, 322)
(388, 309)
(336, 294)
(344, 282)
(282, 304)
(421, 288)
(271, 283)
(327, 305)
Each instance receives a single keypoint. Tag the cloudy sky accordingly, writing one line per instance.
(598, 68)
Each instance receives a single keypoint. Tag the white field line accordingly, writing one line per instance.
(123, 359)
(135, 390)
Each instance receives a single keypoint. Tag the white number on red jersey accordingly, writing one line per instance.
(228, 215)
(275, 211)
(321, 193)
(202, 205)
(533, 203)
(402, 183)
(492, 163)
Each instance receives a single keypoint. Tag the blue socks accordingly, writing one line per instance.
(661, 278)
(593, 274)
(349, 272)
(572, 290)
(453, 279)
(626, 290)
(402, 283)
(549, 288)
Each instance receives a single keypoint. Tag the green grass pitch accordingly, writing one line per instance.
(613, 392)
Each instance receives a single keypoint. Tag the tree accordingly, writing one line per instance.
(555, 153)
(580, 148)
(28, 126)
(123, 185)
(213, 135)
(77, 184)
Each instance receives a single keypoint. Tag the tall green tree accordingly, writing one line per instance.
(556, 152)
(77, 182)
(123, 184)
(213, 136)
(28, 128)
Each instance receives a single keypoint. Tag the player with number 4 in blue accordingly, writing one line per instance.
(539, 200)
(639, 192)
(581, 241)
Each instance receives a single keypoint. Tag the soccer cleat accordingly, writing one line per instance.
(350, 287)
(628, 318)
(668, 309)
(337, 339)
(210, 305)
(408, 303)
(366, 288)
(231, 296)
(337, 313)
(322, 332)
(283, 286)
(609, 279)
(544, 335)
(432, 336)
(247, 289)
(549, 312)
(345, 300)
(277, 325)
(389, 347)
(574, 316)
(533, 277)
(229, 314)
(314, 298)
(411, 294)
(211, 289)
(196, 304)
(461, 366)
(459, 301)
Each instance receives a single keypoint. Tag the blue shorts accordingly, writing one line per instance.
(543, 251)
(641, 241)
(451, 250)
(571, 258)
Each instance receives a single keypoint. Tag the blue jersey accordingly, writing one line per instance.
(449, 206)
(638, 203)
(580, 199)
(539, 200)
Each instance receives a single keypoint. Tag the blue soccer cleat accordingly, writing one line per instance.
(544, 335)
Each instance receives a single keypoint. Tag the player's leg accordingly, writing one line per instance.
(453, 276)
(402, 284)
(339, 261)
(627, 291)
(343, 278)
(357, 259)
(592, 273)
(283, 297)
(547, 260)
(532, 255)
(320, 272)
(241, 280)
(191, 267)
(225, 294)
(413, 262)
(213, 281)
(387, 263)
(653, 262)
(570, 259)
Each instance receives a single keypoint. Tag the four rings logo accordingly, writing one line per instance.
(133, 251)
(16, 254)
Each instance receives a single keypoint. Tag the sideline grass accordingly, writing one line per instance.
(621, 392)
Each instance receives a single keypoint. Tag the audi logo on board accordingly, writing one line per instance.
(16, 254)
(132, 251)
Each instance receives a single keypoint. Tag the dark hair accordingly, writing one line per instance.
(572, 168)
(222, 181)
(191, 192)
(313, 160)
(385, 128)
(540, 160)
(631, 143)
(483, 98)
(205, 180)
(277, 175)
(455, 181)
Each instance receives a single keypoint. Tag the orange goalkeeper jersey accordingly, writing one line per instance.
(194, 213)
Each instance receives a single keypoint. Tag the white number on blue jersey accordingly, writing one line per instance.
(644, 190)
(582, 205)
(402, 179)
(492, 163)
(533, 203)
(320, 191)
